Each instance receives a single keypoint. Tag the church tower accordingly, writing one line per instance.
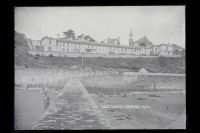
(131, 38)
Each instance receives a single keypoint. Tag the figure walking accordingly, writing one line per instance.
(46, 99)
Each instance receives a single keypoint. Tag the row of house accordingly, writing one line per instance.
(55, 45)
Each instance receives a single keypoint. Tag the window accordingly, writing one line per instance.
(49, 48)
(39, 48)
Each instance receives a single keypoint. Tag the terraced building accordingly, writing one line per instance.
(73, 48)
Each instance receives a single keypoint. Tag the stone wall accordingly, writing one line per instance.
(137, 81)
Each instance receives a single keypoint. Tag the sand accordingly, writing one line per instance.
(162, 111)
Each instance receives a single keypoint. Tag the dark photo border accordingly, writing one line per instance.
(30, 3)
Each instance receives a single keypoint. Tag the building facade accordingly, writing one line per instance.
(48, 44)
(66, 47)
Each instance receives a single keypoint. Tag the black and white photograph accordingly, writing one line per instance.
(99, 67)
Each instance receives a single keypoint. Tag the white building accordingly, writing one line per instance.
(64, 47)
(48, 44)
(166, 49)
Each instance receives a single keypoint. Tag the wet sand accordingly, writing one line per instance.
(29, 106)
(164, 110)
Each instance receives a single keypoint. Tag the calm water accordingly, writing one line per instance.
(29, 106)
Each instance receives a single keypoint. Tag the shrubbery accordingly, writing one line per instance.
(51, 55)
(26, 66)
(36, 56)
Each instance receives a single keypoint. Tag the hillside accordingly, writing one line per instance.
(22, 58)
(152, 64)
(160, 64)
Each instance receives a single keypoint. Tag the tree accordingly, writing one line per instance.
(118, 42)
(69, 34)
(91, 39)
(80, 37)
(183, 53)
(20, 40)
(176, 52)
(87, 37)
(103, 41)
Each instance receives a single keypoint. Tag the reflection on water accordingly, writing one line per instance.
(29, 106)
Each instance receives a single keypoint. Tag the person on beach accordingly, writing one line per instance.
(46, 99)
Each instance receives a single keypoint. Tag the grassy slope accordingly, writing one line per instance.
(160, 64)
(22, 57)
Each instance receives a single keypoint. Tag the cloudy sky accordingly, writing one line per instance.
(161, 24)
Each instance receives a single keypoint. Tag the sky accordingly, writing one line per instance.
(160, 24)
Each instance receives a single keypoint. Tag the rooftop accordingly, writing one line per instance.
(93, 43)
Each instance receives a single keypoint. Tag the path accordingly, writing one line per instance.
(73, 108)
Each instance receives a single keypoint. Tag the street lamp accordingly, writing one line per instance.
(81, 61)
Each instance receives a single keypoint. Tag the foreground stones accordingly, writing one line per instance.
(73, 108)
